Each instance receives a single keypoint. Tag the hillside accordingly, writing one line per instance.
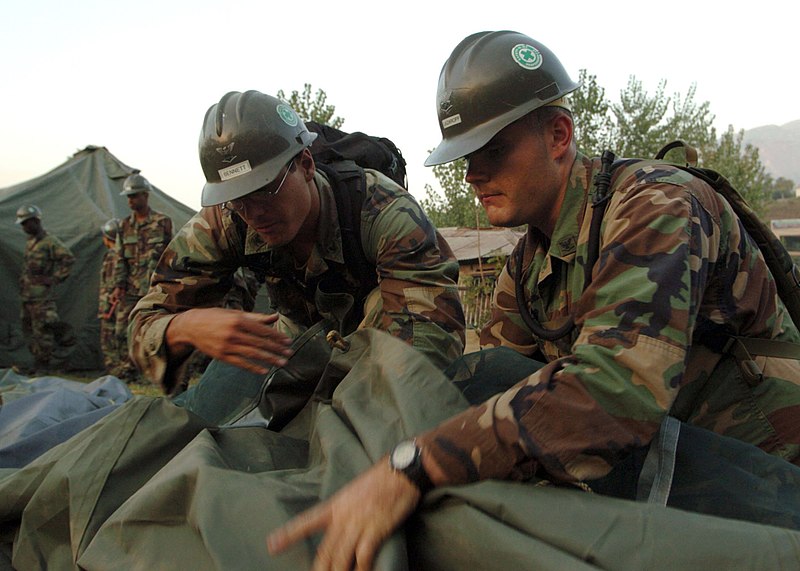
(779, 149)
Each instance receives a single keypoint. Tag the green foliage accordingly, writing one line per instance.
(456, 205)
(315, 109)
(741, 165)
(783, 188)
(643, 122)
(640, 124)
(481, 287)
(591, 113)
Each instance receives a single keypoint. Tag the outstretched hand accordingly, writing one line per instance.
(356, 520)
(243, 339)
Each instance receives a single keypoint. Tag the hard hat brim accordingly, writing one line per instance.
(215, 193)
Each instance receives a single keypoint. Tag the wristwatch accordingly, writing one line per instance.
(406, 458)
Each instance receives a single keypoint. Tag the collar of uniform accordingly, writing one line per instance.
(564, 242)
(146, 220)
(38, 238)
(329, 239)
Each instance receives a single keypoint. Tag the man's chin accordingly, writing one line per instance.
(500, 218)
(271, 238)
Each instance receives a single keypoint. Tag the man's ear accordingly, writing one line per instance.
(561, 132)
(306, 163)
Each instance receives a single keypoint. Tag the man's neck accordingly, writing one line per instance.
(303, 243)
(141, 216)
(565, 168)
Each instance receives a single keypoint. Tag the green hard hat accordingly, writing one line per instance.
(247, 138)
(489, 81)
(27, 212)
(110, 229)
(135, 184)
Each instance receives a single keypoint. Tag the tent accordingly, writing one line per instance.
(154, 486)
(76, 198)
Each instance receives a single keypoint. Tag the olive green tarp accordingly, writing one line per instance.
(151, 486)
(76, 198)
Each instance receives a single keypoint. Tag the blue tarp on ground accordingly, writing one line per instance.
(39, 413)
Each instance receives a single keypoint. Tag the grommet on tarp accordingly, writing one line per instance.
(336, 341)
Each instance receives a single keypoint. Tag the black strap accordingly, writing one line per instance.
(349, 184)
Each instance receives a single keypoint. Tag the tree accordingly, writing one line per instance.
(783, 188)
(741, 165)
(642, 123)
(591, 112)
(314, 109)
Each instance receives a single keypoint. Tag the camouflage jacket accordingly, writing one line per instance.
(139, 247)
(106, 283)
(416, 298)
(676, 276)
(47, 262)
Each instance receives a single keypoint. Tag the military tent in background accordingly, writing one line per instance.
(76, 198)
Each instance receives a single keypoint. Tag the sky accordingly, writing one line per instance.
(138, 77)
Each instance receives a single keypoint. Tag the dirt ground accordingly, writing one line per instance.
(472, 341)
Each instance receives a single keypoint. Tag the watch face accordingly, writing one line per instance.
(403, 455)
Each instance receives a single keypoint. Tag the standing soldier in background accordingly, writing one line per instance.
(47, 263)
(141, 239)
(114, 354)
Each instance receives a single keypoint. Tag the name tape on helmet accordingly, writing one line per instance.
(234, 170)
(450, 121)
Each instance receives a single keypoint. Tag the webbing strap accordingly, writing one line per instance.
(766, 347)
(743, 348)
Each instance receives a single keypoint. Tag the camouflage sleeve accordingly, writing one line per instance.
(579, 415)
(47, 263)
(417, 277)
(195, 271)
(106, 286)
(63, 259)
(121, 265)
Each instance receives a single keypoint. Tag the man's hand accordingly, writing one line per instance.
(117, 295)
(356, 520)
(245, 340)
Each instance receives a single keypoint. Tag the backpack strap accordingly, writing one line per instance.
(349, 184)
(743, 349)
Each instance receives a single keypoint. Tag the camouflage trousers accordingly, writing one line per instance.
(39, 324)
(114, 354)
(125, 369)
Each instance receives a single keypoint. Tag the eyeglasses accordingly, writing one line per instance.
(260, 195)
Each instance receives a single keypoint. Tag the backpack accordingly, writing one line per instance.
(379, 153)
(783, 269)
(342, 157)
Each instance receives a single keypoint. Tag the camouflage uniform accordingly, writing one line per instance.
(114, 354)
(416, 299)
(47, 263)
(138, 248)
(676, 277)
